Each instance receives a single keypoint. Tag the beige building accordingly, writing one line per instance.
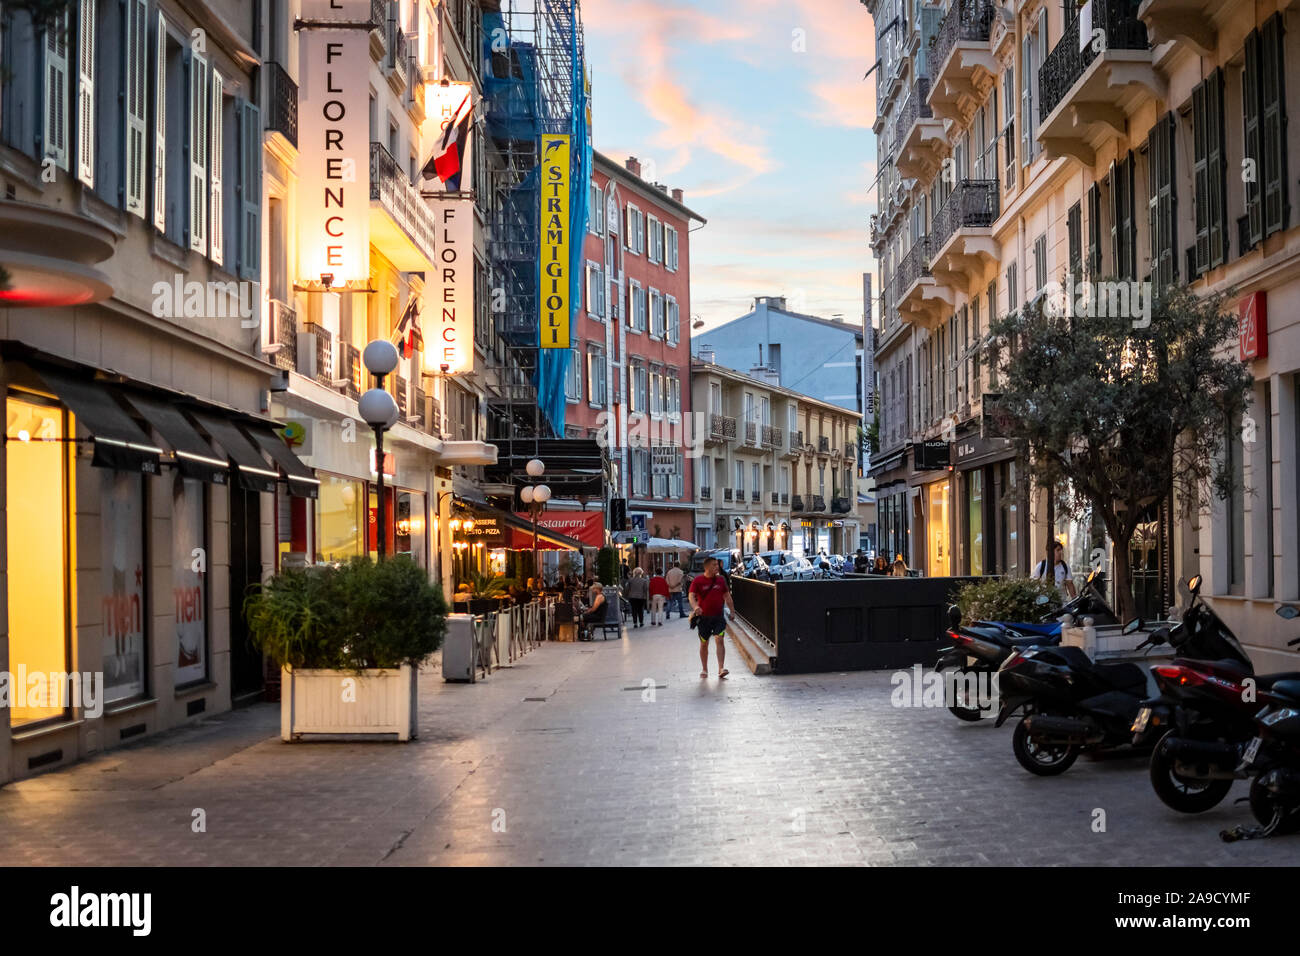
(1021, 144)
(777, 469)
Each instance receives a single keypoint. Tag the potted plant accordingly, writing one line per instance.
(1006, 599)
(349, 640)
(484, 591)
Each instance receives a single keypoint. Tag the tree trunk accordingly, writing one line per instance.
(1127, 609)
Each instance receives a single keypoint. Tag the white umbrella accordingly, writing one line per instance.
(668, 544)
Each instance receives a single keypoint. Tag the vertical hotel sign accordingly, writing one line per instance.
(451, 311)
(554, 225)
(334, 142)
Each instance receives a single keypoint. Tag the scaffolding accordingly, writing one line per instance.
(534, 85)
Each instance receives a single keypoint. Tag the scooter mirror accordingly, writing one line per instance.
(1288, 612)
(1159, 636)
(1194, 585)
(954, 616)
(1132, 626)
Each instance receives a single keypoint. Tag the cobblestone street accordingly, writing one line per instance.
(575, 767)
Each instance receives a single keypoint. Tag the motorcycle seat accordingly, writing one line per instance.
(1287, 688)
(1029, 640)
(1270, 681)
(1126, 676)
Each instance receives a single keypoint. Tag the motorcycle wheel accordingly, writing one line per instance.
(1261, 805)
(969, 714)
(1177, 793)
(1044, 760)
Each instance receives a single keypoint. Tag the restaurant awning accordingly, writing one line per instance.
(503, 529)
(118, 441)
(250, 467)
(195, 457)
(302, 482)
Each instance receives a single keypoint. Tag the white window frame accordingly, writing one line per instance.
(653, 250)
(655, 330)
(596, 285)
(670, 256)
(672, 321)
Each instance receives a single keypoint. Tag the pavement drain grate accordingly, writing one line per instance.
(538, 699)
(641, 687)
(545, 730)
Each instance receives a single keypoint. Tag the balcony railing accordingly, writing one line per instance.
(840, 506)
(350, 368)
(772, 436)
(776, 498)
(823, 445)
(796, 442)
(914, 265)
(914, 108)
(434, 422)
(818, 504)
(324, 371)
(850, 451)
(400, 393)
(284, 333)
(785, 497)
(1117, 19)
(706, 493)
(972, 204)
(726, 494)
(967, 20)
(755, 496)
(419, 413)
(751, 434)
(722, 427)
(797, 504)
(282, 108)
(389, 185)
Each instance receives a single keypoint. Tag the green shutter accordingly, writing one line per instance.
(1200, 173)
(1116, 252)
(1215, 172)
(1094, 230)
(1272, 126)
(250, 190)
(1250, 85)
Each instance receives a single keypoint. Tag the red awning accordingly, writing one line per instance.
(587, 527)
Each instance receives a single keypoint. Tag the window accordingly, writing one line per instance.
(1009, 127)
(573, 377)
(189, 587)
(1264, 109)
(672, 392)
(636, 311)
(596, 212)
(673, 322)
(1160, 203)
(656, 391)
(36, 474)
(1210, 174)
(1013, 290)
(634, 229)
(1235, 508)
(339, 518)
(595, 290)
(1074, 227)
(1040, 263)
(1033, 53)
(740, 479)
(123, 572)
(640, 386)
(596, 375)
(1094, 230)
(657, 319)
(1123, 218)
(670, 255)
(652, 250)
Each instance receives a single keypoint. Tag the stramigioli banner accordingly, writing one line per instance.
(554, 225)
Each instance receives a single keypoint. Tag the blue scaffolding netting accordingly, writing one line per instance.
(535, 85)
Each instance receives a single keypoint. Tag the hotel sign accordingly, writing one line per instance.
(449, 296)
(554, 226)
(334, 144)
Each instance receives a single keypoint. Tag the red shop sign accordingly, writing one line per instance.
(1253, 326)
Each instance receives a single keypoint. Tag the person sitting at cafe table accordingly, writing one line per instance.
(595, 612)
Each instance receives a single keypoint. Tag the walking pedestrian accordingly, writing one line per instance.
(638, 592)
(710, 599)
(676, 593)
(1060, 575)
(658, 596)
(900, 567)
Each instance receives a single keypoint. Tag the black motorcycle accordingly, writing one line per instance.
(1205, 713)
(1273, 759)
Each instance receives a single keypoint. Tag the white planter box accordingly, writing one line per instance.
(346, 702)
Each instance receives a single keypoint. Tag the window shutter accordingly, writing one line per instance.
(198, 191)
(1252, 108)
(629, 230)
(1094, 231)
(86, 93)
(1128, 174)
(137, 58)
(216, 157)
(1273, 122)
(250, 190)
(1201, 174)
(1116, 257)
(160, 130)
(1164, 263)
(1216, 171)
(1026, 100)
(55, 133)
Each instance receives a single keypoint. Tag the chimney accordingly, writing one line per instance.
(766, 374)
(706, 354)
(677, 195)
(633, 165)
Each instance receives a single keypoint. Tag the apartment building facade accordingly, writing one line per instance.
(1023, 144)
(629, 376)
(777, 469)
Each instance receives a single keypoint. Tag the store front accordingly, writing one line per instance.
(990, 508)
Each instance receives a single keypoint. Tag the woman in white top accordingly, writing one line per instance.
(1061, 571)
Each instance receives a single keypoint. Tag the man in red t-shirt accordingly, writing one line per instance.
(709, 595)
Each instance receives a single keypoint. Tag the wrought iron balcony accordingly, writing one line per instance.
(323, 372)
(402, 395)
(973, 204)
(420, 412)
(823, 445)
(969, 20)
(722, 427)
(1118, 21)
(914, 265)
(350, 368)
(818, 504)
(284, 335)
(840, 506)
(412, 250)
(755, 496)
(772, 436)
(751, 434)
(282, 103)
(797, 504)
(850, 451)
(785, 497)
(726, 494)
(914, 108)
(706, 493)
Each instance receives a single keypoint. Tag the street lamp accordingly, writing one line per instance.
(535, 497)
(379, 410)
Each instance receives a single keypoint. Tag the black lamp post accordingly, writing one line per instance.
(379, 410)
(535, 496)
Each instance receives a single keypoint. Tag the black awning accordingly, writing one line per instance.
(195, 457)
(119, 441)
(253, 471)
(303, 483)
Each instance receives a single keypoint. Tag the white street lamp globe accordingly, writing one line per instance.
(380, 357)
(542, 494)
(378, 408)
(535, 468)
(526, 494)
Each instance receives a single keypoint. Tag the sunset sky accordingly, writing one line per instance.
(759, 111)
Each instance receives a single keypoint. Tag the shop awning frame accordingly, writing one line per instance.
(301, 480)
(194, 457)
(251, 468)
(118, 442)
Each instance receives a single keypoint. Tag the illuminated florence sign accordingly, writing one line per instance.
(334, 143)
(554, 225)
(452, 311)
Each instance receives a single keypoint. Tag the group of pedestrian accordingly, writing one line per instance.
(662, 593)
(898, 569)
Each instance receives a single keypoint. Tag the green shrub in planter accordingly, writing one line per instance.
(1006, 599)
(351, 616)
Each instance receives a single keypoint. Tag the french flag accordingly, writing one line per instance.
(448, 161)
